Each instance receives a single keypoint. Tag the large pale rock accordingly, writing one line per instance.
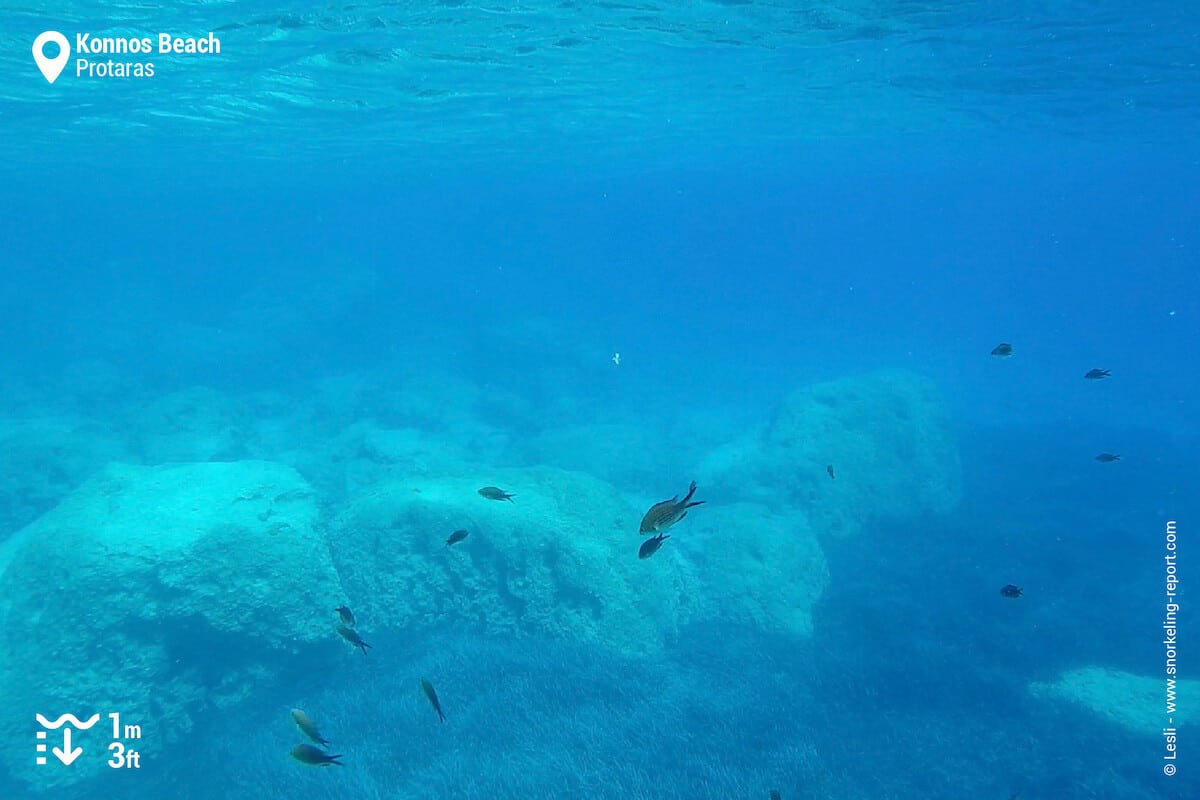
(42, 459)
(624, 454)
(757, 567)
(195, 424)
(151, 591)
(560, 561)
(886, 435)
(1136, 703)
(366, 453)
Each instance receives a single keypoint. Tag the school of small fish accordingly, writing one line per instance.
(1005, 350)
(658, 519)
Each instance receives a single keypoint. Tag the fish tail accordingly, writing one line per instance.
(694, 503)
(688, 496)
(334, 760)
(441, 716)
(510, 499)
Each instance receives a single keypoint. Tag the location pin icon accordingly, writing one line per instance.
(51, 67)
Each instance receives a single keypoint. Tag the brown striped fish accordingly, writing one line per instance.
(665, 514)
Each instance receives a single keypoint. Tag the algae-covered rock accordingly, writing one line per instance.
(756, 566)
(42, 459)
(366, 453)
(624, 454)
(195, 424)
(886, 436)
(152, 590)
(561, 560)
(1133, 702)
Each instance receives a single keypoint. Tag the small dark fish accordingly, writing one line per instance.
(829, 469)
(1108, 458)
(353, 638)
(651, 545)
(1002, 350)
(427, 688)
(1097, 374)
(307, 754)
(308, 727)
(665, 514)
(492, 493)
(775, 795)
(1012, 591)
(456, 537)
(346, 615)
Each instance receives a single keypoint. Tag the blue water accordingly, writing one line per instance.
(431, 227)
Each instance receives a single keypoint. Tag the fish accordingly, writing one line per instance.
(308, 727)
(1002, 350)
(351, 636)
(775, 795)
(665, 514)
(1009, 590)
(492, 493)
(829, 469)
(651, 545)
(428, 689)
(456, 537)
(346, 615)
(307, 754)
(1097, 374)
(1108, 458)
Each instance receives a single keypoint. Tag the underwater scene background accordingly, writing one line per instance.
(273, 317)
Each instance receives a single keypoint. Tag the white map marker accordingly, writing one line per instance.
(51, 67)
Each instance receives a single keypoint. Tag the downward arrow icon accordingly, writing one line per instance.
(65, 754)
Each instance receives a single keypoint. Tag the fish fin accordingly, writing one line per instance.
(681, 516)
(694, 503)
(691, 491)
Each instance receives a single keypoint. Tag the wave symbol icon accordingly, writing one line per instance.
(71, 718)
